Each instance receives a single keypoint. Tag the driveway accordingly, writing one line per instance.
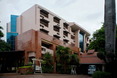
(44, 76)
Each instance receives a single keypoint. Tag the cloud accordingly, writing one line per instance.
(89, 14)
(64, 3)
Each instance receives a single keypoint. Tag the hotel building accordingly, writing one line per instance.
(40, 31)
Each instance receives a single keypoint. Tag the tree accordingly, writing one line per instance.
(62, 58)
(98, 43)
(3, 45)
(47, 63)
(65, 58)
(98, 40)
(1, 33)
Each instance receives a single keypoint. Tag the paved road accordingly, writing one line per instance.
(45, 76)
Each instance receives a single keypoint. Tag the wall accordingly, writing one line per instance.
(30, 41)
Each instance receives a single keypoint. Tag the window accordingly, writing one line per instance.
(56, 29)
(56, 36)
(56, 19)
(65, 25)
(44, 13)
(44, 31)
(65, 41)
(44, 22)
(72, 37)
(65, 33)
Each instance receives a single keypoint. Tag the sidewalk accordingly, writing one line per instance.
(43, 76)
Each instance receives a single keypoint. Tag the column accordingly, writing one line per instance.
(84, 42)
(54, 57)
(77, 38)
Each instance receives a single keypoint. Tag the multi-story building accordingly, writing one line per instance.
(40, 31)
(12, 31)
(43, 20)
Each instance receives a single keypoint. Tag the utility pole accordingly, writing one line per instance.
(110, 26)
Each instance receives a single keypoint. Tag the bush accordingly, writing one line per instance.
(99, 74)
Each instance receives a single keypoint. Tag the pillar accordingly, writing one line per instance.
(84, 42)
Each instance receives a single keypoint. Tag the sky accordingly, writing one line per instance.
(89, 14)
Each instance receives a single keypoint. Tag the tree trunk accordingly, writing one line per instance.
(110, 36)
(110, 26)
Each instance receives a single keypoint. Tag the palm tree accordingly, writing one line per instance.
(110, 26)
(62, 58)
(110, 36)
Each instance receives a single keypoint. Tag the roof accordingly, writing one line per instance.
(86, 58)
(75, 27)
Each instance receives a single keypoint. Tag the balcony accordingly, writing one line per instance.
(57, 35)
(65, 30)
(44, 13)
(65, 33)
(72, 37)
(56, 19)
(44, 31)
(57, 26)
(45, 50)
(65, 39)
(44, 22)
(65, 25)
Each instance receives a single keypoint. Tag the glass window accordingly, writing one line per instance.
(81, 41)
(11, 39)
(13, 23)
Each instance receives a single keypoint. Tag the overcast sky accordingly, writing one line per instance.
(89, 14)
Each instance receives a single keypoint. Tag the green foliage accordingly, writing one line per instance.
(74, 59)
(47, 63)
(98, 40)
(64, 59)
(4, 46)
(29, 64)
(99, 74)
(1, 33)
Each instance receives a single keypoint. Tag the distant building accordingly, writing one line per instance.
(12, 31)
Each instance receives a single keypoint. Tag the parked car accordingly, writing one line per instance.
(91, 69)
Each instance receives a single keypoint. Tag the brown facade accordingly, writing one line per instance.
(32, 41)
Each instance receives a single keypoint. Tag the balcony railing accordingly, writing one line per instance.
(44, 13)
